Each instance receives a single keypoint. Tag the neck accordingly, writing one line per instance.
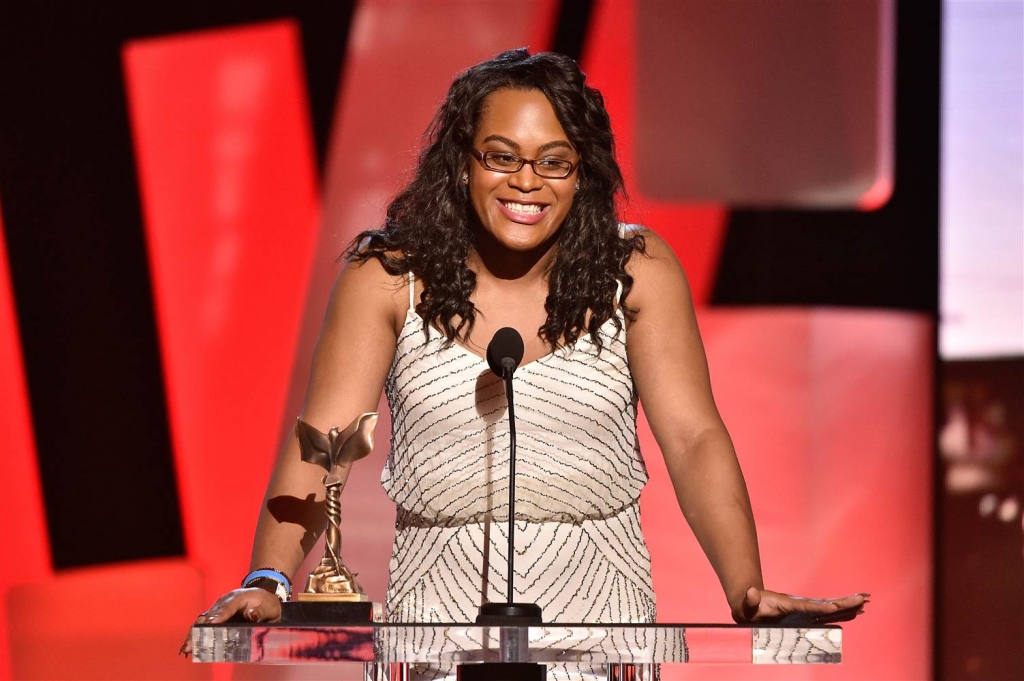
(491, 258)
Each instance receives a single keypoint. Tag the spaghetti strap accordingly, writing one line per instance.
(412, 291)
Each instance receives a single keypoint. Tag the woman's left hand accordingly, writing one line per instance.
(761, 605)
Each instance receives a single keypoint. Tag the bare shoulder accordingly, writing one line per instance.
(369, 274)
(364, 287)
(356, 344)
(656, 271)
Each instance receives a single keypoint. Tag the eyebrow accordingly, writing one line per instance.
(540, 150)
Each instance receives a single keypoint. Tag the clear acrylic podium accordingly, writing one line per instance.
(617, 652)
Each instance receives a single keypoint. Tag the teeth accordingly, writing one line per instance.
(526, 208)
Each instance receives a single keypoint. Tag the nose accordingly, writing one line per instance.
(525, 179)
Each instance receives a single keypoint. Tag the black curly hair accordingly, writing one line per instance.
(428, 228)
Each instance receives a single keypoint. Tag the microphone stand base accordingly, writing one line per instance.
(514, 644)
(502, 671)
(509, 614)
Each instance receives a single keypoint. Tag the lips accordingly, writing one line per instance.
(523, 212)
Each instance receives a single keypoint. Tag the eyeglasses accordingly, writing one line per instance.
(506, 162)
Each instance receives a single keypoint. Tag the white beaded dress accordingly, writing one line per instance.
(580, 553)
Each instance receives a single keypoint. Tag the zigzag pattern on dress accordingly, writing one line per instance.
(580, 553)
(586, 573)
(577, 452)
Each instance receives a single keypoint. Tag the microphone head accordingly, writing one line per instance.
(506, 345)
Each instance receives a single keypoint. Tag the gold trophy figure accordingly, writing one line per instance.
(331, 580)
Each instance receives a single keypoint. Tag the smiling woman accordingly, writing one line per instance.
(510, 222)
(515, 206)
(520, 105)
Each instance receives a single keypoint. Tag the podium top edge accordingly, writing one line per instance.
(545, 625)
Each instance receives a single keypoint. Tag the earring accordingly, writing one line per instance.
(465, 178)
(577, 186)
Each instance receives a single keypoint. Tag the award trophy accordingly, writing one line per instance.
(331, 584)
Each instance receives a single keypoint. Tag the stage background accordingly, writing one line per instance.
(980, 567)
(177, 181)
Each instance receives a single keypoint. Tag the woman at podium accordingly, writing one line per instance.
(510, 221)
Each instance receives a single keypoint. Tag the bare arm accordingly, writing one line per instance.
(667, 359)
(350, 364)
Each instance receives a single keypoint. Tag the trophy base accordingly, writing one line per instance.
(322, 612)
(305, 596)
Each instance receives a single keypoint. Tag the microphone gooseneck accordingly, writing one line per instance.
(504, 353)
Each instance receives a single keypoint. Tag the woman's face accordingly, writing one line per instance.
(521, 211)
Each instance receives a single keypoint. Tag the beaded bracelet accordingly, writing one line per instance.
(284, 585)
(270, 586)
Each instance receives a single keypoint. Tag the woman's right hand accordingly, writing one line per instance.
(254, 604)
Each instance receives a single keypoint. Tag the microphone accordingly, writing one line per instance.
(504, 353)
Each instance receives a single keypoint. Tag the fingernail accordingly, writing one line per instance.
(863, 594)
(210, 618)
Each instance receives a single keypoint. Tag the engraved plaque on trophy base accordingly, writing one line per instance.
(335, 598)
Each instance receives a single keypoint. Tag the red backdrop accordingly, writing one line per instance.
(830, 410)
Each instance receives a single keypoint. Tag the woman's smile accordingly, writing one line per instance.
(523, 212)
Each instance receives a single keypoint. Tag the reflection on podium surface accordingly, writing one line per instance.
(605, 647)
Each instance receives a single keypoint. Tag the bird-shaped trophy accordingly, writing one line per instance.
(332, 582)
